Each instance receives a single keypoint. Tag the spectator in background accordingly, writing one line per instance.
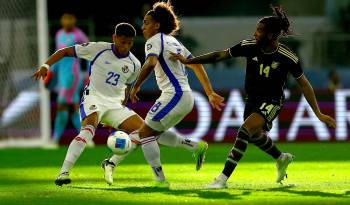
(333, 81)
(66, 77)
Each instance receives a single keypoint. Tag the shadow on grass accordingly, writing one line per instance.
(205, 194)
(288, 189)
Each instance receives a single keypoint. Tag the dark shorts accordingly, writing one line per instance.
(269, 109)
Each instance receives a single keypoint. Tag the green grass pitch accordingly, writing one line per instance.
(320, 174)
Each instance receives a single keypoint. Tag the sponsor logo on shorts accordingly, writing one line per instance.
(93, 107)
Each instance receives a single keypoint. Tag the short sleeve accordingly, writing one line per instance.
(187, 53)
(296, 70)
(133, 77)
(153, 46)
(88, 50)
(242, 49)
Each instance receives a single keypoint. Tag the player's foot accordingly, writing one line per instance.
(63, 178)
(199, 154)
(217, 184)
(162, 184)
(108, 168)
(282, 163)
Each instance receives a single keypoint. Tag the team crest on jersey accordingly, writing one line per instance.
(274, 64)
(125, 69)
(92, 107)
(84, 44)
(149, 46)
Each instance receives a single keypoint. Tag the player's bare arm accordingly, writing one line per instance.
(215, 100)
(202, 59)
(127, 93)
(309, 94)
(58, 55)
(146, 69)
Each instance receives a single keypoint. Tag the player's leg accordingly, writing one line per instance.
(253, 124)
(172, 139)
(128, 121)
(265, 143)
(61, 120)
(77, 146)
(167, 111)
(151, 153)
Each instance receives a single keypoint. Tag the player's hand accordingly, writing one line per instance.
(216, 101)
(40, 73)
(133, 96)
(328, 120)
(175, 57)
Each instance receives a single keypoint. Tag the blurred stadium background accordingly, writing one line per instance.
(322, 40)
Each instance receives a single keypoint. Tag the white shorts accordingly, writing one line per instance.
(168, 110)
(112, 115)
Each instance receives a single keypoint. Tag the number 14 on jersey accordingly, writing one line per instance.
(264, 70)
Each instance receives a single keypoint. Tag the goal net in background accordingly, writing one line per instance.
(21, 103)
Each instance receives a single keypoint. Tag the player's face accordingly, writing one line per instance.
(260, 34)
(149, 27)
(68, 22)
(123, 44)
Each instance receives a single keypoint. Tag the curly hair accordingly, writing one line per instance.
(163, 13)
(278, 24)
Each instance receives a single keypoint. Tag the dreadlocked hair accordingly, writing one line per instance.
(278, 24)
(163, 13)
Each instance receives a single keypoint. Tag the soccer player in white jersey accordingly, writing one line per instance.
(176, 100)
(113, 69)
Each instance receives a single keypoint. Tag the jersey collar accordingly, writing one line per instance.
(118, 55)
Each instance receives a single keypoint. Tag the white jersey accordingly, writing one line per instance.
(109, 73)
(171, 75)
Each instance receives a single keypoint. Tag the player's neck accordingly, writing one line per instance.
(270, 48)
(118, 54)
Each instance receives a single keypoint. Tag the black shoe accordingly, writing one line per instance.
(63, 178)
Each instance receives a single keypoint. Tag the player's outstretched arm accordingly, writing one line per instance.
(206, 58)
(146, 69)
(58, 55)
(215, 100)
(309, 94)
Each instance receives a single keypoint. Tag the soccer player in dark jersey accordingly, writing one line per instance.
(268, 65)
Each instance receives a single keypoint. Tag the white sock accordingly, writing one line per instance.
(77, 146)
(117, 158)
(222, 177)
(172, 139)
(151, 152)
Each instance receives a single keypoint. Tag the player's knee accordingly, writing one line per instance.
(86, 134)
(146, 131)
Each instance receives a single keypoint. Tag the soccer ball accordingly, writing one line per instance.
(119, 142)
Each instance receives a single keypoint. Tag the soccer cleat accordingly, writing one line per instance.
(63, 178)
(199, 154)
(108, 168)
(162, 184)
(217, 184)
(282, 163)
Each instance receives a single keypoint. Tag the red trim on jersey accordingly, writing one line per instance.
(80, 139)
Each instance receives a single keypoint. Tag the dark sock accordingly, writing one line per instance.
(236, 152)
(266, 144)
